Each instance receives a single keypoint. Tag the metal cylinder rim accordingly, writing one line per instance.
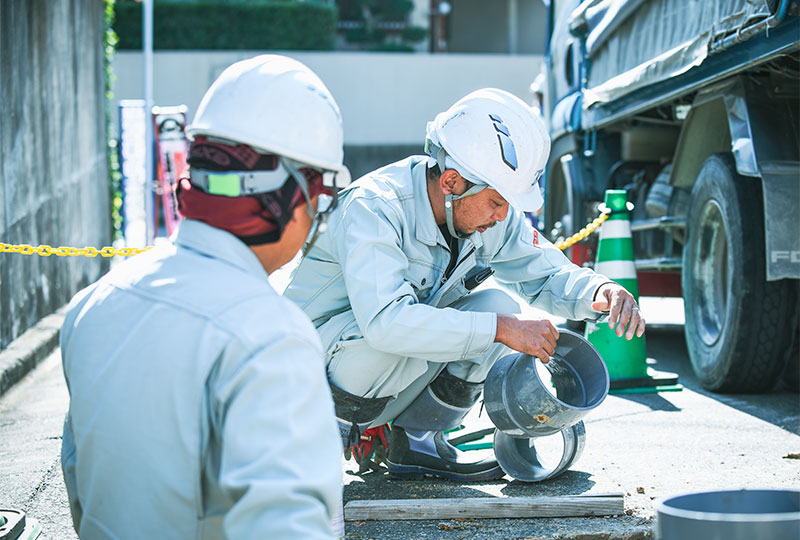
(601, 363)
(663, 507)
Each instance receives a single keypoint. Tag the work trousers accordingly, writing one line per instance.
(356, 367)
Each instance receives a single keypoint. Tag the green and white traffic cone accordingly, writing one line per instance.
(626, 359)
(15, 524)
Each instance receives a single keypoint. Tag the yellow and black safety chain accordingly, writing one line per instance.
(583, 233)
(63, 251)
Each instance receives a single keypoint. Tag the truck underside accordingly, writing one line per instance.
(709, 152)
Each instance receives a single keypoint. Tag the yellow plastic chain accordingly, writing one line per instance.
(583, 233)
(63, 251)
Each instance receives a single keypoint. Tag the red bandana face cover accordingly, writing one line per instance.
(255, 219)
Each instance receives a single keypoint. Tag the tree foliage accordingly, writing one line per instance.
(380, 24)
(230, 25)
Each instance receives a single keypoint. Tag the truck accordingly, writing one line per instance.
(693, 107)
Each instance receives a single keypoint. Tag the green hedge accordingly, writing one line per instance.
(112, 154)
(230, 26)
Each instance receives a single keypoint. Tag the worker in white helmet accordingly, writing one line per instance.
(199, 406)
(389, 286)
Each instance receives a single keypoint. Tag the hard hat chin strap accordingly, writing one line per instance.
(301, 181)
(448, 207)
(441, 157)
(324, 205)
(448, 214)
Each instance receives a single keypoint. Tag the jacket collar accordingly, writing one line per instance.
(427, 231)
(217, 244)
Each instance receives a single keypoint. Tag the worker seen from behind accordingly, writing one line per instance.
(390, 286)
(199, 406)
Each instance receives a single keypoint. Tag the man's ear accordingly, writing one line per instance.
(450, 181)
(299, 211)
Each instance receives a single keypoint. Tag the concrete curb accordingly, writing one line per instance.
(28, 350)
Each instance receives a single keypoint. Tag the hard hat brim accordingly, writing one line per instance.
(524, 202)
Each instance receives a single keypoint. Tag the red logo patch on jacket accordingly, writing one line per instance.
(535, 237)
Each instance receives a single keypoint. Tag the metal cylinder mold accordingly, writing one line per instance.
(519, 403)
(522, 407)
(518, 456)
(730, 515)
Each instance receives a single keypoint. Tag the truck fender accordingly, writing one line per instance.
(733, 116)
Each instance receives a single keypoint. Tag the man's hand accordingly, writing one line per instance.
(535, 337)
(622, 309)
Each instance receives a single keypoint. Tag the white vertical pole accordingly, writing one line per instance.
(147, 50)
(513, 26)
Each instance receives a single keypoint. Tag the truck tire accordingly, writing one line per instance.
(737, 329)
(791, 373)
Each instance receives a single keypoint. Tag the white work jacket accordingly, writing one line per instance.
(199, 406)
(378, 272)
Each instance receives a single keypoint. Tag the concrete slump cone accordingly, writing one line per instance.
(626, 359)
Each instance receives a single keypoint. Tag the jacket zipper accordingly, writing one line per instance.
(464, 258)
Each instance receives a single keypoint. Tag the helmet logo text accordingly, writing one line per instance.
(507, 150)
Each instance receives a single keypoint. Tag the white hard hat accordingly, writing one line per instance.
(492, 137)
(276, 105)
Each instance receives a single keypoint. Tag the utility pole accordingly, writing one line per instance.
(440, 9)
(513, 32)
(147, 53)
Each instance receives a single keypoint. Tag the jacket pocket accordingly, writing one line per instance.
(458, 288)
(421, 277)
(455, 290)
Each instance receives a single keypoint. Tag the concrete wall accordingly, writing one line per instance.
(386, 98)
(53, 172)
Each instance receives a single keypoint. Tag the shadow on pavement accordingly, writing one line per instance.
(779, 406)
(378, 485)
(572, 482)
(655, 402)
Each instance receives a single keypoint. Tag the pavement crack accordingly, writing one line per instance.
(55, 468)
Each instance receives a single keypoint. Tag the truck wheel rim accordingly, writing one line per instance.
(711, 273)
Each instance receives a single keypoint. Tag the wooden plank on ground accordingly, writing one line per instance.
(486, 507)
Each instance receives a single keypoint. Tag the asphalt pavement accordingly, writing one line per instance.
(31, 423)
(646, 446)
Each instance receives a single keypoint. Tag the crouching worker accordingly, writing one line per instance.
(199, 405)
(389, 287)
